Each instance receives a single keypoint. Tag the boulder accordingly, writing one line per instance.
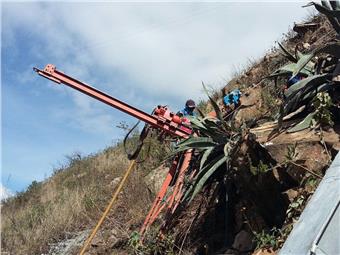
(155, 178)
(115, 182)
(311, 153)
(251, 105)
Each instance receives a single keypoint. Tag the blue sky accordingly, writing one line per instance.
(142, 53)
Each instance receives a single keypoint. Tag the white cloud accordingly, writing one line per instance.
(162, 50)
(4, 192)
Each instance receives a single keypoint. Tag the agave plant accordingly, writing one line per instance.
(332, 11)
(313, 78)
(291, 68)
(303, 91)
(216, 146)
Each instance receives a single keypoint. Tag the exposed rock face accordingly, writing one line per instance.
(155, 178)
(70, 245)
(260, 200)
(310, 151)
(267, 134)
(251, 106)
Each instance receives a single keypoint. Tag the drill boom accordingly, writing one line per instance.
(164, 123)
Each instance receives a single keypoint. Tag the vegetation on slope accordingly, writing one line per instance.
(259, 190)
(73, 198)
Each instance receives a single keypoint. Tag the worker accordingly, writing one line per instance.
(233, 98)
(188, 109)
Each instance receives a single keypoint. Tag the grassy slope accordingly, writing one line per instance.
(73, 198)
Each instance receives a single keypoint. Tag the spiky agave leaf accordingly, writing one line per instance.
(298, 98)
(201, 181)
(203, 176)
(302, 63)
(326, 4)
(287, 54)
(288, 70)
(189, 185)
(205, 156)
(219, 130)
(305, 123)
(316, 79)
(214, 135)
(285, 70)
(207, 168)
(302, 96)
(209, 127)
(196, 123)
(303, 91)
(213, 103)
(213, 163)
(321, 102)
(197, 142)
(211, 135)
(321, 88)
(332, 49)
(298, 54)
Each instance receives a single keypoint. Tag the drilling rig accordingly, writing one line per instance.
(165, 122)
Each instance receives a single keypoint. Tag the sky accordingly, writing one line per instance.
(144, 54)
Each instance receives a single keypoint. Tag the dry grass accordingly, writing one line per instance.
(73, 200)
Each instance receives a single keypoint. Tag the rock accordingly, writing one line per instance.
(302, 28)
(69, 245)
(336, 146)
(97, 240)
(80, 175)
(314, 157)
(155, 178)
(115, 182)
(115, 238)
(306, 46)
(243, 241)
(311, 153)
(266, 134)
(251, 104)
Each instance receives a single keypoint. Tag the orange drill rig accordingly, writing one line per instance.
(161, 119)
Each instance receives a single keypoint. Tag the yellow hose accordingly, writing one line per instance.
(108, 208)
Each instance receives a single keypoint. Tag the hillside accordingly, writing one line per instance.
(248, 206)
